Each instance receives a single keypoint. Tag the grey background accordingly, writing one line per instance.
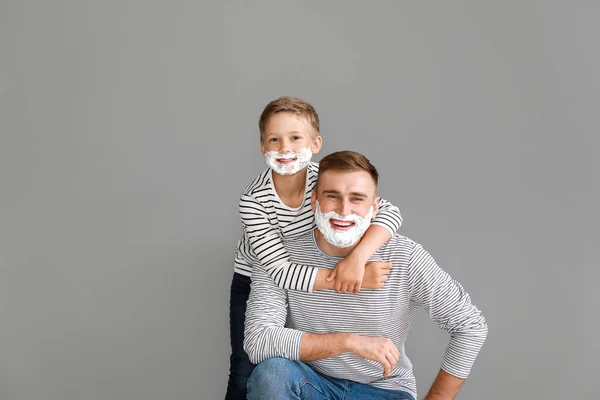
(129, 128)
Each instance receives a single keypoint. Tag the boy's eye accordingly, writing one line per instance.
(272, 140)
(296, 138)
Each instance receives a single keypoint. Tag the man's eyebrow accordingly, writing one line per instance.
(356, 194)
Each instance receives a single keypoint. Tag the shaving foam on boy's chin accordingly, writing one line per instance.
(342, 239)
(302, 158)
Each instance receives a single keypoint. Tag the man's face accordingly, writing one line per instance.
(345, 193)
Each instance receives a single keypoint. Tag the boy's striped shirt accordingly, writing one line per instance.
(266, 220)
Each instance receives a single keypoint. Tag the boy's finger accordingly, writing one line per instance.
(331, 275)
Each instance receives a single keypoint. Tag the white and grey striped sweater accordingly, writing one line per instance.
(266, 220)
(276, 318)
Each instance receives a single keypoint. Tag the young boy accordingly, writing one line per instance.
(277, 204)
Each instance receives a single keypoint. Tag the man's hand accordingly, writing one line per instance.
(381, 350)
(376, 273)
(348, 275)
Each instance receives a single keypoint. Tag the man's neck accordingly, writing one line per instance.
(291, 188)
(331, 250)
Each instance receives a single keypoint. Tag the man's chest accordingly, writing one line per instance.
(368, 312)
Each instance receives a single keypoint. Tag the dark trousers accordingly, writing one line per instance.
(240, 366)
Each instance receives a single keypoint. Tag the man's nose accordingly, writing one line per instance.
(345, 208)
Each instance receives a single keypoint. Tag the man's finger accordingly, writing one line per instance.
(391, 359)
(356, 288)
(397, 354)
(387, 368)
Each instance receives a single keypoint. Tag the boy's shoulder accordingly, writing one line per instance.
(264, 180)
(259, 184)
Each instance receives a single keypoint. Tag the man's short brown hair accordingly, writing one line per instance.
(348, 161)
(293, 105)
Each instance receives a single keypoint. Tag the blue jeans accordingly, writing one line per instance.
(282, 379)
(240, 366)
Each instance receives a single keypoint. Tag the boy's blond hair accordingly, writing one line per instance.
(293, 105)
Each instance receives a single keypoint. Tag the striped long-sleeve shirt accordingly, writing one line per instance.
(266, 220)
(277, 318)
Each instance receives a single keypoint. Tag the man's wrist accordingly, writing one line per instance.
(348, 341)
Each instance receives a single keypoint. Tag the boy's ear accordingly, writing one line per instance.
(262, 147)
(316, 144)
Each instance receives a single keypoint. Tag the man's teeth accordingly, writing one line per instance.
(342, 223)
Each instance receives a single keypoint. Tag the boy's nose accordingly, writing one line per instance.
(284, 147)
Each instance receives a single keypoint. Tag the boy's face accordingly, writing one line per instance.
(288, 133)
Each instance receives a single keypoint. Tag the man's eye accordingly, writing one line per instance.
(332, 196)
(357, 199)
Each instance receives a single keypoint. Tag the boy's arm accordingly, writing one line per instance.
(267, 245)
(348, 273)
(449, 305)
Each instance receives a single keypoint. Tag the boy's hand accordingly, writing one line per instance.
(348, 275)
(376, 273)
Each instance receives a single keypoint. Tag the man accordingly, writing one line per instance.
(327, 345)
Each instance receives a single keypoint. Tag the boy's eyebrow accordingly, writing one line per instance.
(277, 133)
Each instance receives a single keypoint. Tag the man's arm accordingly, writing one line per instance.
(449, 305)
(265, 334)
(319, 346)
(444, 387)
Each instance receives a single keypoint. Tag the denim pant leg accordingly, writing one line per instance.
(240, 365)
(283, 379)
(359, 391)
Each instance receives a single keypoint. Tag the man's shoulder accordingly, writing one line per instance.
(398, 244)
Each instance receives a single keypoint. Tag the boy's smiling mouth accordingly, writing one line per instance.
(286, 161)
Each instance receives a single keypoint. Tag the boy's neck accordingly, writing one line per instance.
(290, 188)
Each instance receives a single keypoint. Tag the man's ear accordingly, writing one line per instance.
(316, 144)
(313, 200)
(375, 207)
